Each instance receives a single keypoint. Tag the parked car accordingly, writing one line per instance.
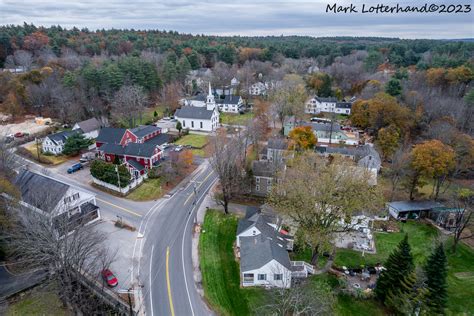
(178, 148)
(109, 278)
(19, 135)
(74, 168)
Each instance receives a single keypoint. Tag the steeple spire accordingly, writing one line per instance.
(210, 90)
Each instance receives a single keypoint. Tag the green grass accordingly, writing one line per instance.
(147, 116)
(236, 119)
(195, 140)
(422, 238)
(220, 270)
(148, 190)
(37, 302)
(348, 306)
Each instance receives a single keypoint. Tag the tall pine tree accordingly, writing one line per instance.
(399, 264)
(409, 298)
(436, 271)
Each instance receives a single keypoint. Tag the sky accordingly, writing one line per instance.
(243, 17)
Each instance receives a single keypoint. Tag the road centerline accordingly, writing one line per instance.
(119, 207)
(170, 298)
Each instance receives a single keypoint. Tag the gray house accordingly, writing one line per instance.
(54, 143)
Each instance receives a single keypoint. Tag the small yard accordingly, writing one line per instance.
(150, 189)
(39, 301)
(193, 140)
(220, 270)
(47, 159)
(236, 119)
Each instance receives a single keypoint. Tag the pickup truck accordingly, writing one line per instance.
(74, 168)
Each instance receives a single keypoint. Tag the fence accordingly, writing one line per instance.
(124, 190)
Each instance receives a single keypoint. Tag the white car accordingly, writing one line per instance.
(178, 148)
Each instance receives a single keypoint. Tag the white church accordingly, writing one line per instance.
(199, 115)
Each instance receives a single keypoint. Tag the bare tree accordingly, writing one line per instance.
(129, 103)
(24, 59)
(70, 250)
(226, 161)
(462, 201)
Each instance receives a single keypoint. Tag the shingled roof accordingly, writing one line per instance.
(131, 149)
(89, 125)
(110, 135)
(257, 251)
(61, 136)
(40, 191)
(144, 130)
(194, 112)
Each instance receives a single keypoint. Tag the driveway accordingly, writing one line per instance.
(11, 284)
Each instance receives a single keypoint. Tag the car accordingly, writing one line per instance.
(19, 135)
(178, 148)
(109, 278)
(74, 168)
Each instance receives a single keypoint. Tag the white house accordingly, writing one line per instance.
(54, 143)
(89, 128)
(231, 104)
(264, 262)
(317, 105)
(199, 116)
(66, 205)
(258, 88)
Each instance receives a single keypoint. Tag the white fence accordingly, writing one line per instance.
(123, 190)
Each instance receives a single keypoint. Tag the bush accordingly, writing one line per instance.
(107, 173)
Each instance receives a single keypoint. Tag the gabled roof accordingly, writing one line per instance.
(324, 127)
(257, 251)
(330, 99)
(194, 112)
(406, 206)
(40, 191)
(159, 140)
(262, 168)
(135, 164)
(229, 99)
(343, 105)
(61, 136)
(143, 130)
(110, 135)
(145, 150)
(89, 125)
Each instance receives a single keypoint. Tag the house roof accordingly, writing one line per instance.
(89, 125)
(330, 99)
(368, 157)
(257, 251)
(146, 150)
(143, 130)
(277, 143)
(343, 105)
(406, 206)
(229, 99)
(194, 112)
(135, 164)
(110, 135)
(40, 191)
(347, 151)
(159, 139)
(262, 168)
(61, 136)
(323, 127)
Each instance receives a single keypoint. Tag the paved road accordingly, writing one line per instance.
(166, 268)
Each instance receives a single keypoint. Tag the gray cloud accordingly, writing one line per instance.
(244, 17)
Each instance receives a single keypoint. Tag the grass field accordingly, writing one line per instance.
(148, 190)
(194, 140)
(53, 160)
(37, 302)
(422, 238)
(236, 119)
(220, 271)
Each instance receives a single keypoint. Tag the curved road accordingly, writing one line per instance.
(166, 268)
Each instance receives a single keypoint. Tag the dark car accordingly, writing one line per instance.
(74, 168)
(109, 278)
(19, 134)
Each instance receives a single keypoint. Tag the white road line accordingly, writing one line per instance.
(182, 247)
(151, 294)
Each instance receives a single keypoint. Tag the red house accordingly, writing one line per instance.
(138, 148)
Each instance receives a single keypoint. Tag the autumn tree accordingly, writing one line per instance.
(388, 139)
(462, 200)
(35, 41)
(321, 83)
(320, 198)
(302, 138)
(129, 103)
(433, 160)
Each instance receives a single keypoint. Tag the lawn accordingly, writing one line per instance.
(421, 238)
(150, 189)
(236, 119)
(194, 140)
(51, 159)
(220, 270)
(37, 302)
(148, 116)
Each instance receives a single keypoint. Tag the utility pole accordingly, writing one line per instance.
(37, 148)
(118, 176)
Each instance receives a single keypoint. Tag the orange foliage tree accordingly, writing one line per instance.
(302, 138)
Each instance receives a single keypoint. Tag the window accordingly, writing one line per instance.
(269, 181)
(262, 277)
(257, 187)
(200, 123)
(184, 123)
(278, 277)
(75, 196)
(257, 179)
(67, 199)
(192, 124)
(248, 277)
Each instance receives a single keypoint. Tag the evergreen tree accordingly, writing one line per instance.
(75, 143)
(436, 271)
(393, 87)
(398, 265)
(409, 298)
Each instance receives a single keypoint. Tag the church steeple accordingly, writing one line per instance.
(210, 102)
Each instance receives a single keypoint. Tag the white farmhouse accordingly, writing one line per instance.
(231, 104)
(89, 128)
(258, 88)
(54, 143)
(199, 116)
(317, 105)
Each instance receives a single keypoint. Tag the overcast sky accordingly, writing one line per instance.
(240, 17)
